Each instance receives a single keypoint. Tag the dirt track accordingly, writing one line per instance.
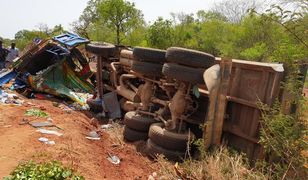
(20, 142)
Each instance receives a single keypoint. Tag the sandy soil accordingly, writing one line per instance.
(20, 143)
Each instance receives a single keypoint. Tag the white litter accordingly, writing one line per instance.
(113, 159)
(93, 138)
(51, 132)
(46, 141)
(106, 126)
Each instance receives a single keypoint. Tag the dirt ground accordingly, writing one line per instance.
(20, 143)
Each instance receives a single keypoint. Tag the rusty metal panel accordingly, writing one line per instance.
(250, 83)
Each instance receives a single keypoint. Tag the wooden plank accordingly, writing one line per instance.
(217, 104)
(238, 132)
(208, 126)
(221, 101)
(272, 67)
(235, 81)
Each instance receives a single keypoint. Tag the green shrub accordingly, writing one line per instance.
(47, 171)
(283, 139)
(36, 112)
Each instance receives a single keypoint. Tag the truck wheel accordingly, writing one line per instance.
(183, 73)
(190, 57)
(148, 69)
(132, 135)
(153, 150)
(102, 49)
(149, 55)
(169, 140)
(138, 122)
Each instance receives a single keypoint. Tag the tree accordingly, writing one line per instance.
(58, 29)
(160, 34)
(120, 16)
(235, 10)
(210, 15)
(24, 37)
(86, 19)
(182, 18)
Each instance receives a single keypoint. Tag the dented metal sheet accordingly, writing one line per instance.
(70, 39)
(52, 68)
(61, 80)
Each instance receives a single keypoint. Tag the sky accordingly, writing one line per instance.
(29, 14)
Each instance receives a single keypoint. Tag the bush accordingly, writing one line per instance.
(283, 139)
(50, 170)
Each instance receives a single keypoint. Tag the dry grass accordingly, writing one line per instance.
(116, 134)
(220, 164)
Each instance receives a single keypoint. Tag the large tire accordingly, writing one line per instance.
(102, 49)
(183, 73)
(153, 150)
(168, 139)
(149, 55)
(137, 122)
(132, 135)
(190, 57)
(148, 69)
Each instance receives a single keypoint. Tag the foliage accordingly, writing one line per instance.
(204, 16)
(6, 42)
(24, 37)
(48, 171)
(88, 17)
(36, 112)
(120, 16)
(160, 34)
(283, 138)
(235, 10)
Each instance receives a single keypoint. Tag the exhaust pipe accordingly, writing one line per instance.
(125, 92)
(121, 89)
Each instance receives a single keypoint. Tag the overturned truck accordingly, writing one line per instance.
(169, 98)
(168, 95)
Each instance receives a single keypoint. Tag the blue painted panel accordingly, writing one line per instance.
(5, 77)
(70, 39)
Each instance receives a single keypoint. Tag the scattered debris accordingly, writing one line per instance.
(53, 66)
(46, 141)
(93, 135)
(92, 138)
(106, 126)
(36, 112)
(8, 98)
(113, 159)
(50, 132)
(41, 124)
(153, 176)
